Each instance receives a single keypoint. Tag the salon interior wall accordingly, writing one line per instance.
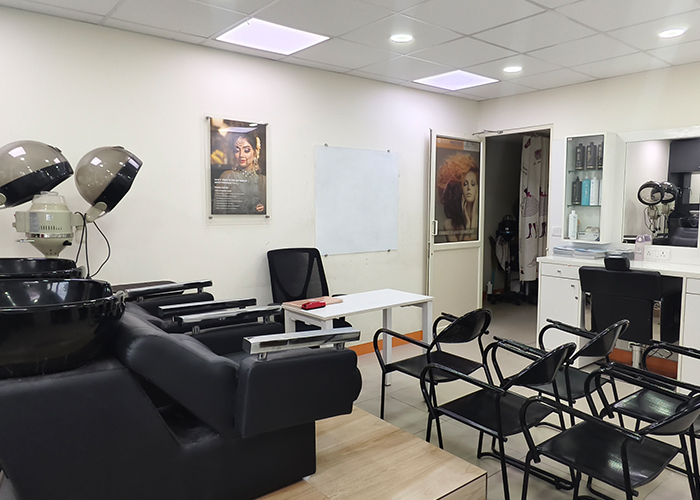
(79, 86)
(650, 101)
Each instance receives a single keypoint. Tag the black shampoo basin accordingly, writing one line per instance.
(38, 268)
(51, 325)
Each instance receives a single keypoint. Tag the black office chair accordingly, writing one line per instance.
(495, 410)
(612, 454)
(620, 293)
(296, 274)
(462, 330)
(570, 381)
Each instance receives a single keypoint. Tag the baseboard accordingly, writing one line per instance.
(661, 366)
(369, 347)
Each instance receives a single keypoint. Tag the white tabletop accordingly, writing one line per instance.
(665, 268)
(353, 303)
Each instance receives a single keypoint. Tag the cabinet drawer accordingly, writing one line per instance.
(693, 286)
(560, 270)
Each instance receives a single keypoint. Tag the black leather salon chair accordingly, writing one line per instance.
(163, 416)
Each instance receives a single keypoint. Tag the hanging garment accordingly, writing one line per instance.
(534, 182)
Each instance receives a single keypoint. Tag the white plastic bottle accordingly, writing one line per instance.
(573, 225)
(595, 191)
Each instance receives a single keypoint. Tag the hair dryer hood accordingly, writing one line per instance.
(104, 175)
(28, 168)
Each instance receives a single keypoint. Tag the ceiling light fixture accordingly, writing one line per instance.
(270, 37)
(455, 80)
(401, 38)
(672, 33)
(513, 69)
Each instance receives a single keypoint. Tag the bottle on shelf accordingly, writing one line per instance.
(600, 155)
(591, 156)
(595, 191)
(576, 191)
(586, 192)
(579, 160)
(573, 225)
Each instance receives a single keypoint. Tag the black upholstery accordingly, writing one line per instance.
(297, 274)
(494, 410)
(612, 454)
(471, 326)
(165, 417)
(617, 295)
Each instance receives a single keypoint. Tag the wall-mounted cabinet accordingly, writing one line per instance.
(591, 202)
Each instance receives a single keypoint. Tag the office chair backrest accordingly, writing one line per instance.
(296, 273)
(466, 328)
(543, 370)
(602, 344)
(617, 295)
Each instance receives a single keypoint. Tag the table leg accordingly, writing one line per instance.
(288, 322)
(427, 309)
(386, 323)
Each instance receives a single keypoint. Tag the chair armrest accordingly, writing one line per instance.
(226, 317)
(558, 325)
(291, 388)
(171, 310)
(150, 291)
(391, 333)
(265, 344)
(228, 339)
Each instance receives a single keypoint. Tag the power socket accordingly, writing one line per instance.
(556, 230)
(657, 253)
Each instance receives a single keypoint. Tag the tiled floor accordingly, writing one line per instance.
(405, 408)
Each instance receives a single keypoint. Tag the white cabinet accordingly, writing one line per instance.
(689, 369)
(593, 185)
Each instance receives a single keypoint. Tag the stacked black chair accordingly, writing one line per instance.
(297, 274)
(494, 410)
(461, 330)
(609, 453)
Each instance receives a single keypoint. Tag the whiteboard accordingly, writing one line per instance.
(357, 200)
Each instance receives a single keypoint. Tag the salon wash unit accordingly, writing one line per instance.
(643, 218)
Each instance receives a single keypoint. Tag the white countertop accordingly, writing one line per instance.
(666, 268)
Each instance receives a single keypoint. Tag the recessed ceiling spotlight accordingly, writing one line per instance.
(270, 37)
(672, 33)
(455, 80)
(401, 38)
(513, 69)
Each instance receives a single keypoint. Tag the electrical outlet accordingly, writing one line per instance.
(556, 231)
(656, 253)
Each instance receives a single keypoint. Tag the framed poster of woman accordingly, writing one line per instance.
(457, 167)
(238, 170)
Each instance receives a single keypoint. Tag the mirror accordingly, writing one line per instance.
(650, 159)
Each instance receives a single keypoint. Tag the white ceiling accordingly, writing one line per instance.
(557, 42)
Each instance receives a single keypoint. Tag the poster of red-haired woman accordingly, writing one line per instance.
(457, 169)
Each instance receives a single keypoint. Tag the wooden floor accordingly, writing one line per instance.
(361, 456)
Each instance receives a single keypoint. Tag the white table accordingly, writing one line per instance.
(355, 303)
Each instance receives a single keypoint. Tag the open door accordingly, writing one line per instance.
(455, 236)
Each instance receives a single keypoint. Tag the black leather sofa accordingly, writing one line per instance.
(171, 416)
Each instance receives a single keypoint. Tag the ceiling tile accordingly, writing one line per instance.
(244, 6)
(535, 32)
(552, 79)
(177, 15)
(157, 32)
(679, 54)
(243, 50)
(101, 7)
(495, 90)
(472, 16)
(377, 34)
(646, 36)
(348, 55)
(530, 65)
(323, 17)
(374, 76)
(396, 5)
(583, 50)
(617, 66)
(552, 4)
(463, 52)
(51, 10)
(313, 64)
(607, 15)
(405, 68)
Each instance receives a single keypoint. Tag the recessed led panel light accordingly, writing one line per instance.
(270, 37)
(672, 33)
(401, 38)
(513, 69)
(455, 80)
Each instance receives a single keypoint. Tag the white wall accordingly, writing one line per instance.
(78, 86)
(651, 101)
